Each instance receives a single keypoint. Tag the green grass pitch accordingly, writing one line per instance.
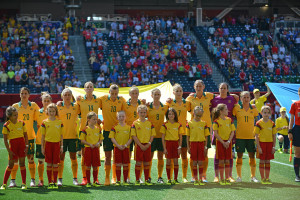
(282, 176)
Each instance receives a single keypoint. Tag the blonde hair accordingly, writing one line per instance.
(217, 111)
(113, 87)
(9, 111)
(198, 109)
(266, 107)
(89, 116)
(65, 91)
(45, 95)
(198, 81)
(142, 107)
(120, 112)
(133, 88)
(243, 93)
(176, 86)
(88, 83)
(155, 90)
(52, 105)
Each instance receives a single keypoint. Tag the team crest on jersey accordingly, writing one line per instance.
(147, 128)
(19, 129)
(229, 101)
(57, 126)
(31, 108)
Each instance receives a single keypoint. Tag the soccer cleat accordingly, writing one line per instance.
(239, 180)
(176, 182)
(169, 182)
(201, 182)
(59, 182)
(268, 181)
(75, 181)
(227, 181)
(125, 183)
(280, 150)
(88, 185)
(223, 182)
(141, 181)
(263, 181)
(118, 183)
(137, 183)
(160, 180)
(50, 186)
(12, 183)
(3, 187)
(204, 179)
(216, 180)
(254, 180)
(113, 181)
(192, 180)
(41, 183)
(149, 179)
(184, 180)
(297, 179)
(32, 183)
(231, 180)
(55, 186)
(96, 184)
(84, 181)
(23, 186)
(148, 182)
(196, 182)
(128, 181)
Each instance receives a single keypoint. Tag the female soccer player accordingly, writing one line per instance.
(52, 143)
(156, 114)
(282, 125)
(265, 137)
(68, 114)
(121, 138)
(202, 99)
(142, 132)
(15, 131)
(230, 100)
(172, 140)
(46, 100)
(223, 128)
(110, 105)
(181, 106)
(245, 114)
(294, 134)
(27, 112)
(91, 137)
(197, 132)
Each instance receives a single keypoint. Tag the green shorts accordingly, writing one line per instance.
(131, 146)
(38, 153)
(107, 143)
(31, 147)
(157, 145)
(184, 144)
(208, 142)
(71, 145)
(242, 144)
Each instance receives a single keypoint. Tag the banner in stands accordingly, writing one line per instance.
(285, 93)
(145, 92)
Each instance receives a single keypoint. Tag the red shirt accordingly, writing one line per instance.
(155, 67)
(187, 67)
(126, 47)
(295, 110)
(242, 75)
(277, 71)
(199, 66)
(174, 65)
(172, 53)
(224, 55)
(128, 65)
(135, 64)
(130, 75)
(275, 49)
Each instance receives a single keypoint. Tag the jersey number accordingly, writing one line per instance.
(113, 109)
(134, 114)
(246, 118)
(91, 107)
(201, 105)
(68, 115)
(25, 117)
(157, 116)
(179, 111)
(31, 146)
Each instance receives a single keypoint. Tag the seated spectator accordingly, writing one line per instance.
(242, 76)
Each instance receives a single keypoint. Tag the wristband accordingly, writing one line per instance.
(149, 142)
(179, 147)
(228, 141)
(273, 147)
(61, 146)
(125, 145)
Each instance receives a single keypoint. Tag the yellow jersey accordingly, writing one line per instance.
(68, 116)
(181, 111)
(281, 122)
(265, 130)
(197, 131)
(156, 117)
(92, 136)
(143, 130)
(109, 110)
(171, 131)
(121, 134)
(87, 106)
(13, 131)
(224, 127)
(28, 115)
(204, 102)
(245, 121)
(41, 117)
(52, 130)
(131, 112)
(259, 103)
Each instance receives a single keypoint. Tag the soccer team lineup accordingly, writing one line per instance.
(134, 132)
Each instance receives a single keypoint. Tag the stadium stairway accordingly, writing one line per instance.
(81, 66)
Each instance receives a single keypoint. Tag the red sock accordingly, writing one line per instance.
(95, 174)
(49, 174)
(55, 173)
(176, 171)
(6, 175)
(221, 170)
(118, 173)
(200, 171)
(88, 175)
(227, 170)
(195, 172)
(267, 170)
(146, 172)
(125, 173)
(168, 169)
(23, 174)
(137, 172)
(262, 170)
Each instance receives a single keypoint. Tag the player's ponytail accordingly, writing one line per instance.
(217, 111)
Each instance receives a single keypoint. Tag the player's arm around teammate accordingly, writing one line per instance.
(16, 143)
